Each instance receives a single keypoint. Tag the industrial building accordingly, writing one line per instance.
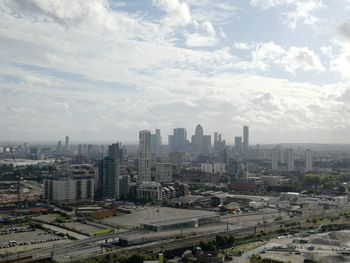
(184, 222)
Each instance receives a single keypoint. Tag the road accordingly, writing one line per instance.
(91, 246)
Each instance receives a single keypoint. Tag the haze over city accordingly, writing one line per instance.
(102, 70)
(174, 131)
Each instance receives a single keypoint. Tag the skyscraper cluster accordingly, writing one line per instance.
(286, 158)
(60, 149)
(242, 146)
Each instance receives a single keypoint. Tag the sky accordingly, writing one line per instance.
(101, 70)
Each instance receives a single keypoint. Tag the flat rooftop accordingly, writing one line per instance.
(155, 214)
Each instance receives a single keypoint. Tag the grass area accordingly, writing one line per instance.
(244, 247)
(63, 219)
(104, 232)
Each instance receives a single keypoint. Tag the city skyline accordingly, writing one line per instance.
(106, 69)
(174, 131)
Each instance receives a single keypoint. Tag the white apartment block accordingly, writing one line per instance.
(69, 189)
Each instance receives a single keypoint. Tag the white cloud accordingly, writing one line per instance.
(137, 71)
(291, 60)
(345, 29)
(265, 4)
(301, 58)
(298, 11)
(205, 35)
(178, 13)
(340, 61)
(242, 46)
(220, 12)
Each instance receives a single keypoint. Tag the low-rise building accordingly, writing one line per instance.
(149, 191)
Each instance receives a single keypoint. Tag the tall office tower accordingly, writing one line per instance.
(59, 147)
(200, 143)
(102, 149)
(279, 154)
(308, 160)
(238, 145)
(291, 166)
(85, 151)
(274, 159)
(90, 150)
(144, 156)
(257, 148)
(156, 143)
(219, 144)
(66, 146)
(109, 177)
(178, 141)
(80, 149)
(25, 149)
(159, 143)
(115, 150)
(245, 139)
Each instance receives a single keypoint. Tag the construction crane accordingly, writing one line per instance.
(18, 176)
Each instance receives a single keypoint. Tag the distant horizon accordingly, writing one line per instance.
(130, 143)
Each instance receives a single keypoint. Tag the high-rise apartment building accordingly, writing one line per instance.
(238, 145)
(144, 156)
(219, 143)
(290, 165)
(109, 172)
(69, 189)
(80, 149)
(115, 150)
(67, 146)
(308, 160)
(245, 139)
(274, 159)
(164, 172)
(124, 181)
(59, 147)
(156, 144)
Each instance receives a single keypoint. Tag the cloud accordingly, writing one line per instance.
(344, 29)
(301, 58)
(178, 13)
(242, 46)
(66, 11)
(265, 4)
(298, 11)
(340, 60)
(219, 12)
(71, 74)
(291, 60)
(205, 36)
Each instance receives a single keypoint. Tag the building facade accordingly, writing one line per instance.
(164, 172)
(291, 157)
(274, 159)
(149, 191)
(144, 156)
(200, 143)
(245, 139)
(69, 189)
(308, 161)
(109, 177)
(178, 141)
